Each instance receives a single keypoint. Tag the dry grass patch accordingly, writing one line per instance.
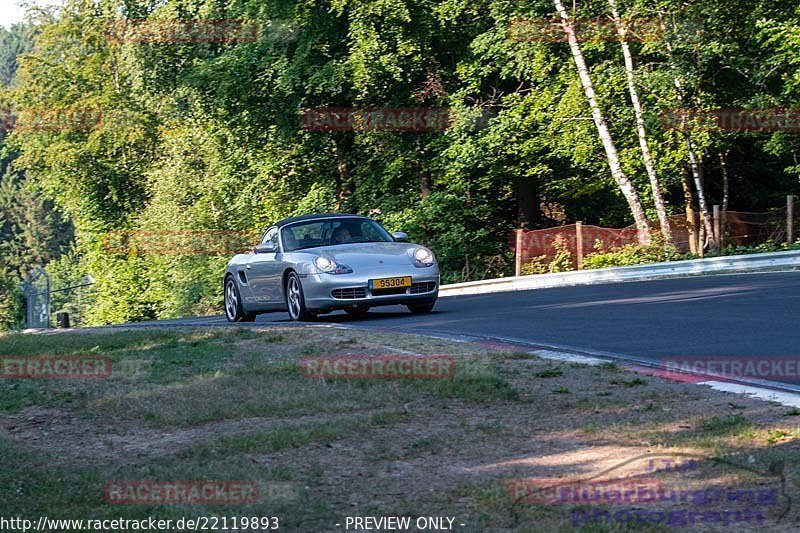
(232, 404)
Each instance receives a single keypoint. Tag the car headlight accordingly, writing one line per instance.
(422, 257)
(329, 266)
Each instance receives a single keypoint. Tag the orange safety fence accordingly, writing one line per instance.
(740, 228)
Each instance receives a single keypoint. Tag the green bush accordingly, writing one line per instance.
(630, 254)
(636, 254)
(562, 261)
(769, 246)
(537, 265)
(12, 303)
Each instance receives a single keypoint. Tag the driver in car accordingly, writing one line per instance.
(341, 235)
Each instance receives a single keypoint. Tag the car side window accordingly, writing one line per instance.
(369, 232)
(270, 236)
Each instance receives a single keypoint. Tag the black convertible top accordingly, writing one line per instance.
(301, 218)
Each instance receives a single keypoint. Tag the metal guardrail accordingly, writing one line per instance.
(731, 264)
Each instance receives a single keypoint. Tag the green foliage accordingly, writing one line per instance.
(725, 425)
(14, 41)
(552, 372)
(32, 232)
(636, 254)
(769, 246)
(561, 261)
(69, 270)
(630, 254)
(536, 265)
(12, 305)
(207, 136)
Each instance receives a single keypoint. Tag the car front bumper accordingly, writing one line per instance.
(328, 292)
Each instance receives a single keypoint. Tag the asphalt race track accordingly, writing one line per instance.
(749, 315)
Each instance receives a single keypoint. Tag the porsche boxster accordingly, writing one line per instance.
(316, 264)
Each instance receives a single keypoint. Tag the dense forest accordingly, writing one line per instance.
(546, 127)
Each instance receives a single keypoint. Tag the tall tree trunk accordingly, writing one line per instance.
(697, 174)
(694, 161)
(527, 205)
(641, 132)
(624, 184)
(691, 216)
(424, 183)
(723, 163)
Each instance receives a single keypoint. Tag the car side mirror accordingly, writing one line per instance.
(400, 236)
(266, 248)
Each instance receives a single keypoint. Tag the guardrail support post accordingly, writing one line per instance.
(518, 253)
(579, 243)
(789, 219)
(716, 226)
(62, 320)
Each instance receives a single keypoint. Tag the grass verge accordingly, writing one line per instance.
(233, 404)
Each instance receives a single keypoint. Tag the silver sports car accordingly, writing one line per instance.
(315, 264)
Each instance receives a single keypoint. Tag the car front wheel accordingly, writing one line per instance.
(295, 301)
(421, 308)
(234, 311)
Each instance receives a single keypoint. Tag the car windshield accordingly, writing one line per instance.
(332, 232)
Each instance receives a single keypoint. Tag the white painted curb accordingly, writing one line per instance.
(672, 269)
(781, 397)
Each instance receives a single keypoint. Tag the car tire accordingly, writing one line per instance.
(295, 300)
(357, 311)
(234, 311)
(421, 308)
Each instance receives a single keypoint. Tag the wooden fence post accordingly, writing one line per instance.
(579, 243)
(518, 253)
(716, 227)
(789, 219)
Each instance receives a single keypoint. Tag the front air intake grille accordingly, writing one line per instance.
(387, 292)
(349, 294)
(425, 286)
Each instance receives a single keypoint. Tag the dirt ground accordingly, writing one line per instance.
(443, 452)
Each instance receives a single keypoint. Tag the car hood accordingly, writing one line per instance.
(368, 253)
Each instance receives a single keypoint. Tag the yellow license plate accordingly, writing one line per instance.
(391, 283)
